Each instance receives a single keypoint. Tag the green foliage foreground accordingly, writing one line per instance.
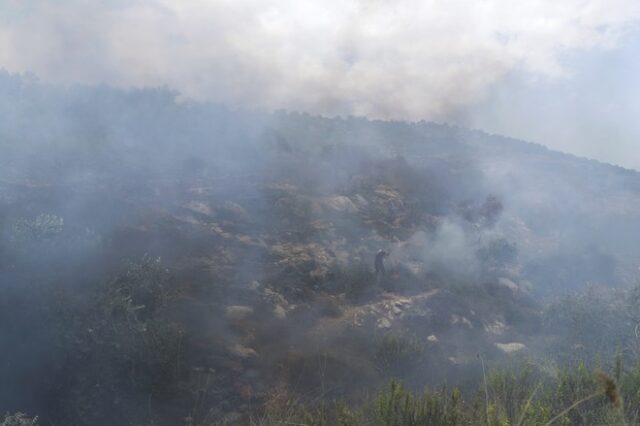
(526, 397)
(523, 397)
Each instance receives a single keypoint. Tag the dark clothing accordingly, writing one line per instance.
(379, 262)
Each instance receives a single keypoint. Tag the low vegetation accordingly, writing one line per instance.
(525, 397)
(19, 419)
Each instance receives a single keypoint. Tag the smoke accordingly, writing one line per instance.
(268, 225)
(252, 212)
(449, 249)
(404, 59)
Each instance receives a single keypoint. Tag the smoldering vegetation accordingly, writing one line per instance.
(169, 262)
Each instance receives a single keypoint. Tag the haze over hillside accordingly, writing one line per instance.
(319, 213)
(561, 74)
(172, 259)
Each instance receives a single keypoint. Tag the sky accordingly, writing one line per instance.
(561, 73)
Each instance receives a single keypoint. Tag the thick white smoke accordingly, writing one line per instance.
(408, 59)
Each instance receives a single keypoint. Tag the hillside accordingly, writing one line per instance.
(168, 262)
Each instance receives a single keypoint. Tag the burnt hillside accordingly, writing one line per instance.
(163, 261)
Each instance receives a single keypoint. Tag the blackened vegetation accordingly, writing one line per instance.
(178, 263)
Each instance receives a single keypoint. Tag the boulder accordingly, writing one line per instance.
(510, 348)
(238, 313)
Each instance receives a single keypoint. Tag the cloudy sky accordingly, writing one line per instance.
(564, 73)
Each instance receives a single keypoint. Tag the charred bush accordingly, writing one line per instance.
(498, 253)
(356, 281)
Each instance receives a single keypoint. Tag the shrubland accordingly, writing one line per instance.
(229, 278)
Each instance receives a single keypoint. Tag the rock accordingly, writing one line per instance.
(238, 313)
(274, 298)
(506, 282)
(235, 210)
(243, 351)
(198, 207)
(279, 312)
(340, 203)
(219, 231)
(497, 327)
(509, 348)
(384, 323)
(362, 202)
(245, 239)
(457, 319)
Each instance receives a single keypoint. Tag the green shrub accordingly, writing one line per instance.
(395, 406)
(520, 397)
(43, 227)
(515, 396)
(122, 337)
(398, 355)
(19, 419)
(630, 390)
(594, 323)
(140, 329)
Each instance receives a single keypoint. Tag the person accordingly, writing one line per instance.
(379, 262)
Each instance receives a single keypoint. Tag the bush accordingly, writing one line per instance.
(43, 227)
(524, 397)
(123, 338)
(19, 419)
(594, 323)
(356, 281)
(485, 214)
(140, 328)
(511, 395)
(140, 291)
(281, 408)
(498, 252)
(395, 406)
(398, 355)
